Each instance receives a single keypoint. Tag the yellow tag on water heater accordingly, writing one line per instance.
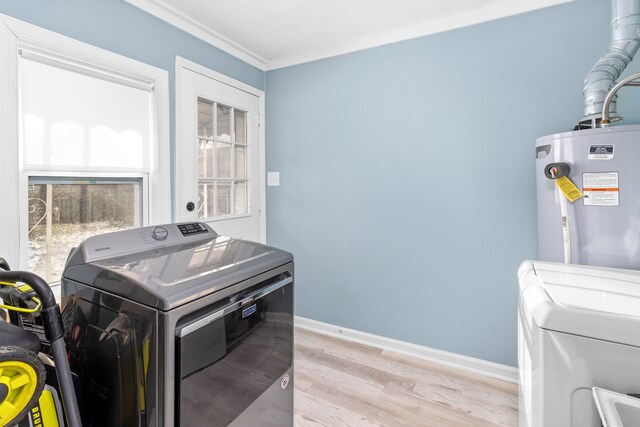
(568, 188)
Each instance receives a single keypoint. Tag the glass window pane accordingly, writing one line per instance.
(224, 123)
(74, 120)
(241, 126)
(205, 200)
(63, 215)
(223, 160)
(205, 158)
(241, 162)
(223, 198)
(222, 165)
(241, 198)
(205, 118)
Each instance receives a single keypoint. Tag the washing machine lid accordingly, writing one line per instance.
(169, 265)
(596, 302)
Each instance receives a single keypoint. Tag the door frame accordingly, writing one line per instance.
(184, 64)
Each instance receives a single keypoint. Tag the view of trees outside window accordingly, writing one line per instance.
(63, 215)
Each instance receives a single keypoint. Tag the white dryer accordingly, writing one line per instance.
(578, 327)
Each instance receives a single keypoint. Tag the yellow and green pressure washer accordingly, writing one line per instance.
(33, 380)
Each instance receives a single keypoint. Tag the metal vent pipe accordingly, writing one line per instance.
(625, 41)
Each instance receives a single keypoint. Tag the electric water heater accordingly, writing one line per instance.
(603, 226)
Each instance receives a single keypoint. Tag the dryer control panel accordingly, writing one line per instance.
(125, 242)
(192, 228)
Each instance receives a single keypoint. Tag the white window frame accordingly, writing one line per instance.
(182, 64)
(16, 35)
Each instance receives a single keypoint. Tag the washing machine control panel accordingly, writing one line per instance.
(196, 227)
(125, 242)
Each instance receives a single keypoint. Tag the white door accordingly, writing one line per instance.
(219, 160)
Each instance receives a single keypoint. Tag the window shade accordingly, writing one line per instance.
(74, 121)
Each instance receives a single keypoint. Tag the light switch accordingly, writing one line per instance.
(273, 179)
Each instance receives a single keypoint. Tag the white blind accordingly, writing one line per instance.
(75, 121)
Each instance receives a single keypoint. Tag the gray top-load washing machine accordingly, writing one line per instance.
(176, 325)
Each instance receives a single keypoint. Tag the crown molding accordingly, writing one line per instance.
(167, 13)
(491, 13)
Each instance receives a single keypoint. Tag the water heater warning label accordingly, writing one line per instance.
(600, 189)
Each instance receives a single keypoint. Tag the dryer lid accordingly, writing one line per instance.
(182, 263)
(596, 302)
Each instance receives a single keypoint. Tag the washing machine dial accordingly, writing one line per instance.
(159, 233)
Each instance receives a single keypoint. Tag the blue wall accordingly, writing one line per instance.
(407, 174)
(117, 26)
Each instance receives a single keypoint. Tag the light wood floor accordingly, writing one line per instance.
(340, 383)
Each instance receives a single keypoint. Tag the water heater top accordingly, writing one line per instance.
(587, 132)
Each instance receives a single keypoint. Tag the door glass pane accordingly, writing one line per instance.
(223, 198)
(205, 200)
(241, 162)
(224, 123)
(205, 118)
(241, 126)
(205, 158)
(241, 197)
(223, 160)
(61, 215)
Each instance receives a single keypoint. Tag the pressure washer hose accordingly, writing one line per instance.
(54, 331)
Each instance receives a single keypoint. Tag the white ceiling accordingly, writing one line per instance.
(277, 33)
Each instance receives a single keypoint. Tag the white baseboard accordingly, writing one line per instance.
(478, 366)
